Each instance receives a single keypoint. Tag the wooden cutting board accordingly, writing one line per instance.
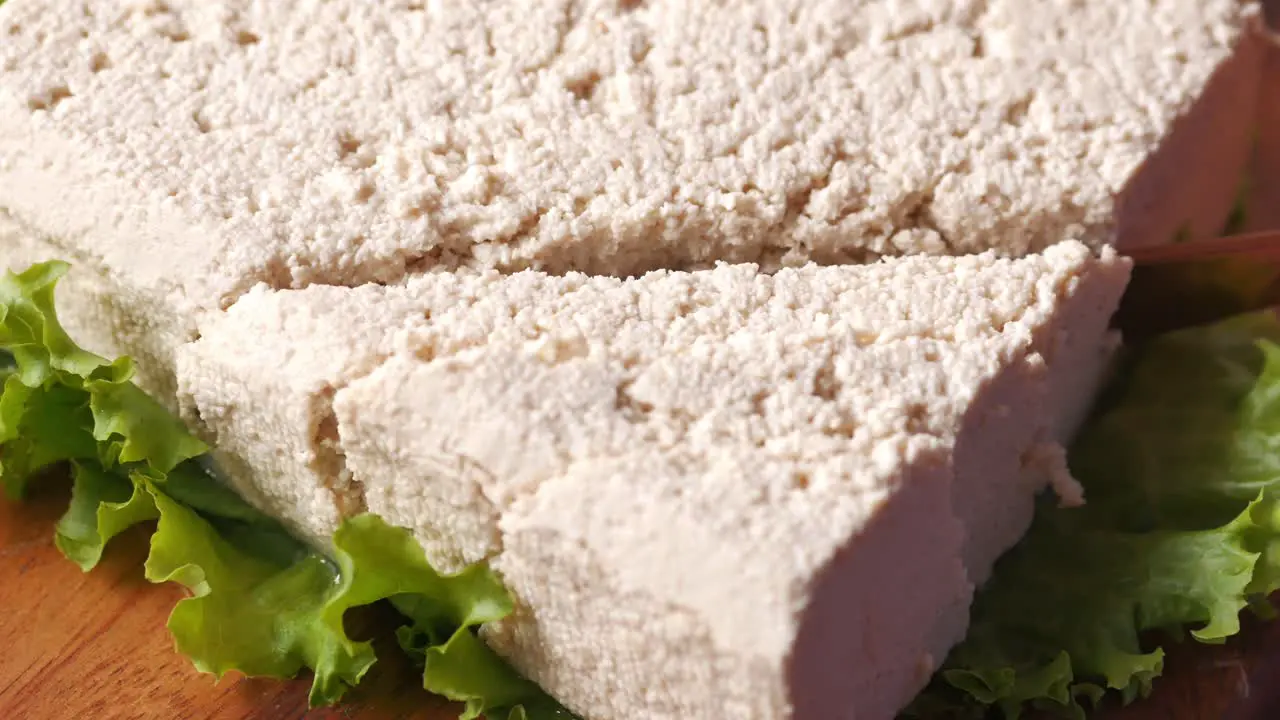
(94, 645)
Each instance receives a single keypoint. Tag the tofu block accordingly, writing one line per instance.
(713, 491)
(379, 140)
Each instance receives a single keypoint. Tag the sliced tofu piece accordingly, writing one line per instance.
(687, 477)
(669, 551)
(377, 140)
(261, 376)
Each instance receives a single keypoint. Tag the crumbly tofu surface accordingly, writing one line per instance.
(609, 136)
(655, 465)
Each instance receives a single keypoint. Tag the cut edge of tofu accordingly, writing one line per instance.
(1213, 141)
(260, 381)
(1058, 378)
(287, 353)
(611, 649)
(818, 680)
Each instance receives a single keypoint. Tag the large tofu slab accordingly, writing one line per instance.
(713, 491)
(183, 151)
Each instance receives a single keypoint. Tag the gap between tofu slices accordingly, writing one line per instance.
(686, 477)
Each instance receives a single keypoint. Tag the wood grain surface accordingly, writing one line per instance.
(93, 645)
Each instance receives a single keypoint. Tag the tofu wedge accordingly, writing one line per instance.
(380, 140)
(701, 487)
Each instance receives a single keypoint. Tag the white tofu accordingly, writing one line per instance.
(737, 584)
(687, 479)
(379, 139)
(322, 229)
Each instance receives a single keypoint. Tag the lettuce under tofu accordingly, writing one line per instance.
(1181, 531)
(261, 602)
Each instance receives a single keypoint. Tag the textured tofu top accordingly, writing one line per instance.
(759, 356)
(207, 146)
(325, 336)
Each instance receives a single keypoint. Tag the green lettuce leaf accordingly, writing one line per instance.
(261, 602)
(103, 505)
(61, 403)
(1180, 532)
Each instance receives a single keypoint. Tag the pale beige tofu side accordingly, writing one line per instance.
(737, 583)
(258, 386)
(680, 490)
